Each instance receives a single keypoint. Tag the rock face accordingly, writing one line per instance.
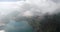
(21, 26)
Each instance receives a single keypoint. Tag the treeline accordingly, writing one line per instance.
(50, 23)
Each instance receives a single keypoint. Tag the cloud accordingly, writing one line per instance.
(10, 0)
(39, 6)
(28, 8)
(34, 6)
(56, 1)
(8, 7)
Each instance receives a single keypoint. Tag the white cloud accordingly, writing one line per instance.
(34, 6)
(43, 6)
(27, 14)
(7, 7)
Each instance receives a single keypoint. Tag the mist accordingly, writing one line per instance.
(20, 13)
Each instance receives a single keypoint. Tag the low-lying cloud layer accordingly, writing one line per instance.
(33, 6)
(27, 8)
